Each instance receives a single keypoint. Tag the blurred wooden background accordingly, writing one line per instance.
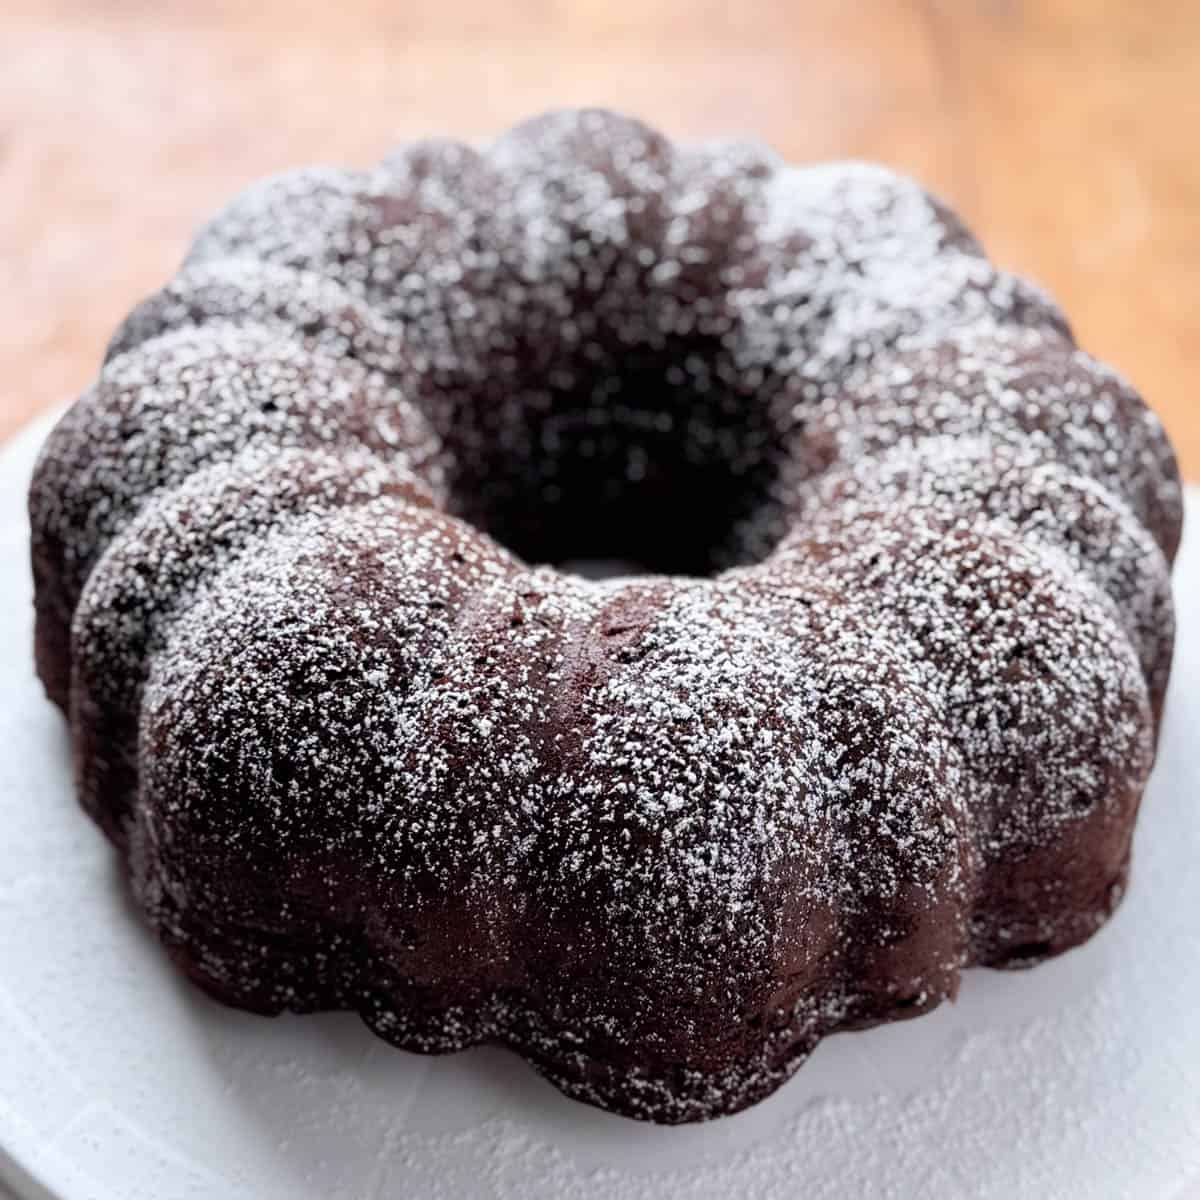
(1065, 130)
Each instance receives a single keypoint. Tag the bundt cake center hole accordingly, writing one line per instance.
(611, 510)
(602, 568)
(626, 477)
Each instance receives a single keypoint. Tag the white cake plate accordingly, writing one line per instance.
(119, 1081)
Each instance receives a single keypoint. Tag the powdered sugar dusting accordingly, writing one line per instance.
(887, 711)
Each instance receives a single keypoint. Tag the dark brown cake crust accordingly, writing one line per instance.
(885, 709)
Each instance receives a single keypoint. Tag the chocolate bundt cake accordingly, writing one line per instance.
(881, 706)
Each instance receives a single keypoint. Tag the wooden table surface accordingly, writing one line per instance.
(1065, 131)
